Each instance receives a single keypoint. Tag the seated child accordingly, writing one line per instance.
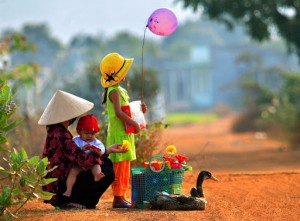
(87, 128)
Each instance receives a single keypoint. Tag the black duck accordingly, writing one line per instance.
(165, 201)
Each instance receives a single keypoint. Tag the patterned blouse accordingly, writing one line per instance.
(62, 152)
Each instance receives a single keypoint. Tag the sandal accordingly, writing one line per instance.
(122, 205)
(72, 206)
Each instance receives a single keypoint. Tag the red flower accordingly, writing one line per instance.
(176, 166)
(181, 158)
(170, 159)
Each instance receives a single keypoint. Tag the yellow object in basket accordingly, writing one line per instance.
(125, 145)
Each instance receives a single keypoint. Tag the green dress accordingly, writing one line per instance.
(116, 130)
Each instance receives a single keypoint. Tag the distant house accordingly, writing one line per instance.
(210, 77)
(188, 85)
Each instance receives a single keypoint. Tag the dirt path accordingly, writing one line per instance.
(259, 180)
(237, 196)
(214, 147)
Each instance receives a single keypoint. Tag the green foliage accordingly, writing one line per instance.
(7, 108)
(147, 142)
(21, 74)
(15, 42)
(285, 109)
(21, 177)
(89, 87)
(125, 44)
(259, 17)
(270, 98)
(150, 87)
(256, 93)
(24, 178)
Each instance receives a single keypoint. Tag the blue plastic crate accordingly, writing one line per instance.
(146, 183)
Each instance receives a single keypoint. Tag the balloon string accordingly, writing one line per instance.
(143, 81)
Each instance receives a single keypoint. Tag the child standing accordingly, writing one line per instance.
(87, 127)
(113, 69)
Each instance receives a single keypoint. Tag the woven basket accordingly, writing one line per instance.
(146, 183)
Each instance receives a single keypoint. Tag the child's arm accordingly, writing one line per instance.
(115, 99)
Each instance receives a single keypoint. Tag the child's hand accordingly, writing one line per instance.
(125, 145)
(137, 128)
(92, 148)
(85, 147)
(144, 107)
(116, 148)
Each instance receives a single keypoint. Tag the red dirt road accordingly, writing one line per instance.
(259, 179)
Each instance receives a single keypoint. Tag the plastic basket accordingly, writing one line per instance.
(146, 183)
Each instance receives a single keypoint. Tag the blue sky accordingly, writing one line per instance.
(68, 17)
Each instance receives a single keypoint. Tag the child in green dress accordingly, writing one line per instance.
(113, 69)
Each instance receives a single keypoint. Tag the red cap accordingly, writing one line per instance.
(88, 122)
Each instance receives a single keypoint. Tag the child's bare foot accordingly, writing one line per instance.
(67, 193)
(99, 176)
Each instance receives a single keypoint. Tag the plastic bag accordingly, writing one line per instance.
(134, 111)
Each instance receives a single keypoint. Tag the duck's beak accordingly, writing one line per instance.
(214, 178)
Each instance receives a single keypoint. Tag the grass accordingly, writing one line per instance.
(186, 118)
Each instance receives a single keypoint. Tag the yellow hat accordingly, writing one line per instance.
(114, 68)
(64, 106)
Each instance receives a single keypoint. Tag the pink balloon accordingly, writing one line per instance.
(162, 22)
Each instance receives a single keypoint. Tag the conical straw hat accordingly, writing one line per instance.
(64, 106)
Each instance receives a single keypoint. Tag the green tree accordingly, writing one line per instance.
(34, 62)
(150, 87)
(256, 92)
(259, 17)
(46, 48)
(81, 50)
(89, 87)
(126, 44)
(285, 109)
